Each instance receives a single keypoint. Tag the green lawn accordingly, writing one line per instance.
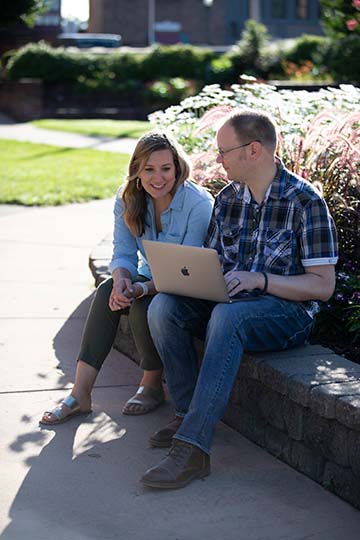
(38, 174)
(100, 128)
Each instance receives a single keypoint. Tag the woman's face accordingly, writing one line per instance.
(158, 175)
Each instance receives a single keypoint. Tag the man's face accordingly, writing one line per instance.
(234, 161)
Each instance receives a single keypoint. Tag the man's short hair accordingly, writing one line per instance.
(254, 125)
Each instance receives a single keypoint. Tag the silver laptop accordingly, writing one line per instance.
(189, 271)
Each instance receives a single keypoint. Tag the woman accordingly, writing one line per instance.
(157, 203)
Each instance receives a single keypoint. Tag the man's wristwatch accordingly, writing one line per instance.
(145, 289)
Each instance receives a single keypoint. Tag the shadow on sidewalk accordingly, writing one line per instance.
(74, 486)
(77, 468)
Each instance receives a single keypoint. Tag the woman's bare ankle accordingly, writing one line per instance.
(152, 378)
(83, 398)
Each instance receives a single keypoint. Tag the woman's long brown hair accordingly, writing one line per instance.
(134, 199)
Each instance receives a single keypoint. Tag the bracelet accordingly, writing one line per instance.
(144, 287)
(264, 289)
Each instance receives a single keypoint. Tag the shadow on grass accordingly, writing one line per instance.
(56, 151)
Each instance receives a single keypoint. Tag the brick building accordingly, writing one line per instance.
(217, 22)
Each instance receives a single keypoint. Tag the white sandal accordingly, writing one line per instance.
(147, 397)
(68, 408)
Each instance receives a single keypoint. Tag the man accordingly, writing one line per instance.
(274, 234)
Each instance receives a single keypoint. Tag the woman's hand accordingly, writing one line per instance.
(122, 294)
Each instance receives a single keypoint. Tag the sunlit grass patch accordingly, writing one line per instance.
(97, 127)
(38, 174)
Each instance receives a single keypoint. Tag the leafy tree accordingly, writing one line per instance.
(251, 54)
(14, 11)
(340, 18)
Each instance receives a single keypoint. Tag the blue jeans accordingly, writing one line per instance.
(201, 395)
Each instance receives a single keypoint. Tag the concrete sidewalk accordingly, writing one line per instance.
(81, 480)
(28, 133)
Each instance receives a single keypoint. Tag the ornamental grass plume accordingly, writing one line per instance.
(206, 170)
(319, 139)
(332, 159)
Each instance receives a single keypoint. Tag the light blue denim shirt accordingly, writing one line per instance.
(185, 221)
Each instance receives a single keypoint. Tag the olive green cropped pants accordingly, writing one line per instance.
(102, 324)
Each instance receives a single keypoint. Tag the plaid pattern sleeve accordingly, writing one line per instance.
(318, 243)
(291, 229)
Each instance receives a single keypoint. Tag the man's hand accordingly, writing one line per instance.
(237, 281)
(317, 283)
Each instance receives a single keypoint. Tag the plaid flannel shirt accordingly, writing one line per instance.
(291, 229)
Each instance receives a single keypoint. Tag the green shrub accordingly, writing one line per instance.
(167, 92)
(176, 61)
(221, 71)
(307, 47)
(126, 66)
(305, 59)
(343, 59)
(251, 54)
(60, 65)
(321, 58)
(39, 61)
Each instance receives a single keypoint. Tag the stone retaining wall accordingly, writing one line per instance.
(302, 405)
(31, 99)
(22, 100)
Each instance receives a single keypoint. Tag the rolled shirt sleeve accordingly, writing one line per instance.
(318, 243)
(124, 243)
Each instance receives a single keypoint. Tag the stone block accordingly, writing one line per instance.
(294, 419)
(347, 411)
(298, 389)
(323, 398)
(234, 416)
(354, 452)
(246, 423)
(307, 461)
(278, 443)
(327, 437)
(236, 392)
(271, 408)
(301, 385)
(297, 371)
(342, 482)
(246, 394)
(249, 366)
(272, 377)
(302, 353)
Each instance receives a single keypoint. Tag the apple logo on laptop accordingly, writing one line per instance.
(185, 271)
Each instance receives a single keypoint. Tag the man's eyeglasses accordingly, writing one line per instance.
(223, 152)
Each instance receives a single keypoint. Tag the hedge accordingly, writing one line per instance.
(116, 70)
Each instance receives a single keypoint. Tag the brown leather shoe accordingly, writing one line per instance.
(163, 437)
(183, 463)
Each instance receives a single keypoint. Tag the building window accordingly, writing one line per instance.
(234, 31)
(278, 9)
(302, 9)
